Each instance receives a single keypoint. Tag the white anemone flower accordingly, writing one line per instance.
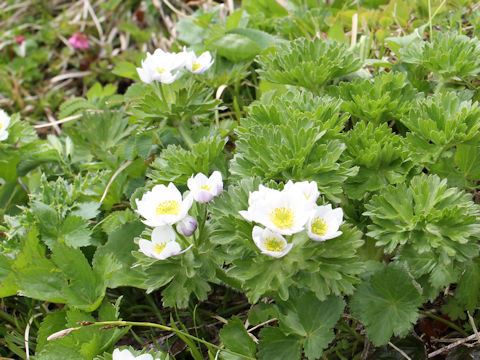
(324, 223)
(285, 212)
(160, 66)
(4, 123)
(163, 205)
(270, 243)
(200, 64)
(308, 189)
(204, 189)
(163, 244)
(125, 354)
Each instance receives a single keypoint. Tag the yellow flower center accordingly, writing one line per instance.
(158, 248)
(205, 187)
(272, 244)
(196, 66)
(319, 226)
(168, 207)
(1, 126)
(282, 217)
(161, 70)
(306, 196)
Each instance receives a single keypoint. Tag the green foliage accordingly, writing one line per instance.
(431, 227)
(175, 164)
(305, 322)
(381, 156)
(385, 98)
(448, 55)
(385, 309)
(440, 122)
(183, 275)
(174, 103)
(82, 344)
(301, 133)
(234, 337)
(309, 64)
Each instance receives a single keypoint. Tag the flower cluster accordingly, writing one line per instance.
(288, 212)
(164, 206)
(165, 67)
(4, 123)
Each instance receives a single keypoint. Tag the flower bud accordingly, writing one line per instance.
(187, 226)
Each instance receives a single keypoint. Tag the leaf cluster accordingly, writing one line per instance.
(301, 133)
(309, 64)
(380, 154)
(430, 227)
(384, 98)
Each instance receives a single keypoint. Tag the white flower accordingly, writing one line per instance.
(160, 67)
(203, 189)
(187, 226)
(163, 244)
(324, 223)
(285, 212)
(163, 206)
(198, 65)
(4, 122)
(308, 189)
(127, 355)
(270, 243)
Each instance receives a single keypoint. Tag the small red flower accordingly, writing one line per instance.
(79, 41)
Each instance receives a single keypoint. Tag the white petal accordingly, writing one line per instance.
(246, 215)
(203, 196)
(171, 248)
(147, 247)
(3, 135)
(144, 357)
(163, 234)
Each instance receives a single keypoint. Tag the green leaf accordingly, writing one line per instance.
(119, 247)
(275, 345)
(234, 337)
(85, 289)
(143, 145)
(468, 289)
(75, 232)
(86, 210)
(235, 47)
(313, 320)
(385, 309)
(175, 164)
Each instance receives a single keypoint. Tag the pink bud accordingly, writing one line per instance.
(19, 39)
(79, 41)
(187, 226)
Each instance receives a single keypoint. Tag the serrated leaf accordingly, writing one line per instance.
(313, 320)
(275, 345)
(234, 337)
(86, 210)
(385, 309)
(75, 232)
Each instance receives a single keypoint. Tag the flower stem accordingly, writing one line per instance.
(166, 328)
(185, 136)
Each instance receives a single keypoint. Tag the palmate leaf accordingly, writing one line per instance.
(381, 156)
(305, 322)
(388, 97)
(175, 164)
(386, 303)
(440, 122)
(234, 337)
(435, 226)
(182, 275)
(309, 64)
(301, 133)
(448, 55)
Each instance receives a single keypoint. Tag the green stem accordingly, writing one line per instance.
(166, 328)
(185, 136)
(222, 276)
(445, 321)
(7, 317)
